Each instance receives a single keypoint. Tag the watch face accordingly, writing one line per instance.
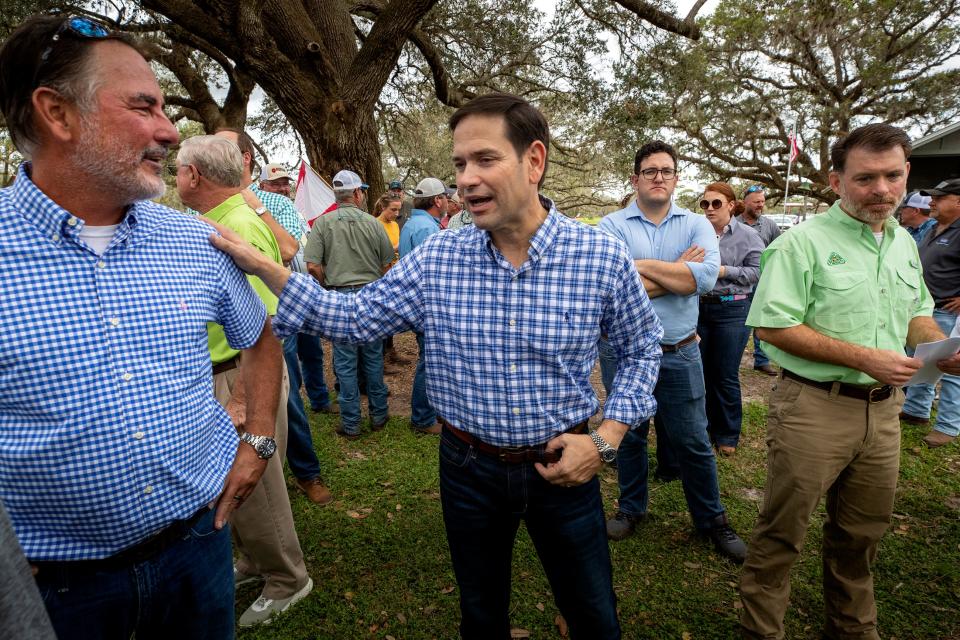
(266, 448)
(609, 455)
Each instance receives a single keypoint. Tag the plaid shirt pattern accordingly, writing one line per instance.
(109, 430)
(508, 351)
(287, 216)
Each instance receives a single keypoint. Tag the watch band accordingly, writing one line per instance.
(607, 453)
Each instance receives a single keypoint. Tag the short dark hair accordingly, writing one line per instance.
(875, 137)
(647, 150)
(32, 58)
(524, 122)
(425, 202)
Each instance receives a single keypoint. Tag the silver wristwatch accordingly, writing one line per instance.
(265, 446)
(607, 453)
(260, 211)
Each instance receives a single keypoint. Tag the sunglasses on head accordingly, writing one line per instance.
(754, 189)
(706, 205)
(78, 26)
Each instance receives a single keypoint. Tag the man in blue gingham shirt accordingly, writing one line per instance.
(511, 310)
(112, 446)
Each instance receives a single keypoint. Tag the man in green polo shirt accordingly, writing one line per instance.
(209, 179)
(838, 298)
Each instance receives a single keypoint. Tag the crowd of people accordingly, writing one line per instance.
(152, 362)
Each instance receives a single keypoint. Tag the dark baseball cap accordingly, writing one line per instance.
(945, 188)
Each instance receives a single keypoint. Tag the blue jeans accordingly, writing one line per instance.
(667, 465)
(300, 453)
(185, 591)
(920, 396)
(723, 337)
(345, 357)
(682, 414)
(422, 415)
(483, 502)
(310, 352)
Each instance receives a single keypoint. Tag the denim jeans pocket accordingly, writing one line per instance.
(455, 452)
(690, 352)
(203, 528)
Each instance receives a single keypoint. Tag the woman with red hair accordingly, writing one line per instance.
(723, 312)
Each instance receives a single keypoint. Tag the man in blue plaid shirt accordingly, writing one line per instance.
(118, 467)
(511, 310)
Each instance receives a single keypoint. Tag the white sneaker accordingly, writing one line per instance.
(263, 608)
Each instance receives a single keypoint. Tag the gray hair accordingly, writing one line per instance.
(217, 159)
(343, 195)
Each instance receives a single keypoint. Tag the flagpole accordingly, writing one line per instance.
(786, 189)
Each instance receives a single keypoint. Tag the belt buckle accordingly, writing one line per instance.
(879, 390)
(507, 451)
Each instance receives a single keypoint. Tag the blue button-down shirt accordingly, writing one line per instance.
(508, 351)
(109, 430)
(667, 241)
(418, 228)
(920, 232)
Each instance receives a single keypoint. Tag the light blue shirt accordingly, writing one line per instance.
(666, 241)
(919, 233)
(418, 228)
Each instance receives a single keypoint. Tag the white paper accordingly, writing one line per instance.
(930, 353)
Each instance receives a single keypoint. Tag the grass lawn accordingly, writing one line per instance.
(379, 558)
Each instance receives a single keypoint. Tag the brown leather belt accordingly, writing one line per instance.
(512, 455)
(226, 365)
(669, 348)
(868, 394)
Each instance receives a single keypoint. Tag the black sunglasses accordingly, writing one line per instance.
(706, 205)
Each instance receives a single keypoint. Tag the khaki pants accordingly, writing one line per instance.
(820, 443)
(263, 532)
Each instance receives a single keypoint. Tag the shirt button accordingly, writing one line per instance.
(516, 411)
(148, 489)
(127, 376)
(115, 322)
(101, 264)
(512, 322)
(138, 435)
(513, 368)
(883, 291)
(55, 237)
(72, 222)
(883, 325)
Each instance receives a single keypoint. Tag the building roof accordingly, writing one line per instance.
(945, 141)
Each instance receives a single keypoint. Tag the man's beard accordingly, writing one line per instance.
(868, 216)
(117, 167)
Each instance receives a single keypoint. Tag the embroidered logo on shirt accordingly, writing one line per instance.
(835, 259)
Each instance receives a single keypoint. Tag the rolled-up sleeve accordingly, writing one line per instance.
(634, 332)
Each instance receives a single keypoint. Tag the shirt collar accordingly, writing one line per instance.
(850, 223)
(539, 243)
(52, 220)
(633, 211)
(221, 210)
(423, 212)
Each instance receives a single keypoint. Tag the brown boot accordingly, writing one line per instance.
(936, 439)
(316, 491)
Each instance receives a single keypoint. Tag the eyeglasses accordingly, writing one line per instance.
(716, 203)
(754, 189)
(651, 174)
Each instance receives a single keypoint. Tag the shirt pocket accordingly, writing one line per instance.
(908, 286)
(839, 302)
(568, 334)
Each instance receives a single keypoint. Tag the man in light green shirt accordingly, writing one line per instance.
(838, 298)
(209, 179)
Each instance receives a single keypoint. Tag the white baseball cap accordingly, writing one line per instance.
(918, 201)
(347, 179)
(429, 187)
(274, 171)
